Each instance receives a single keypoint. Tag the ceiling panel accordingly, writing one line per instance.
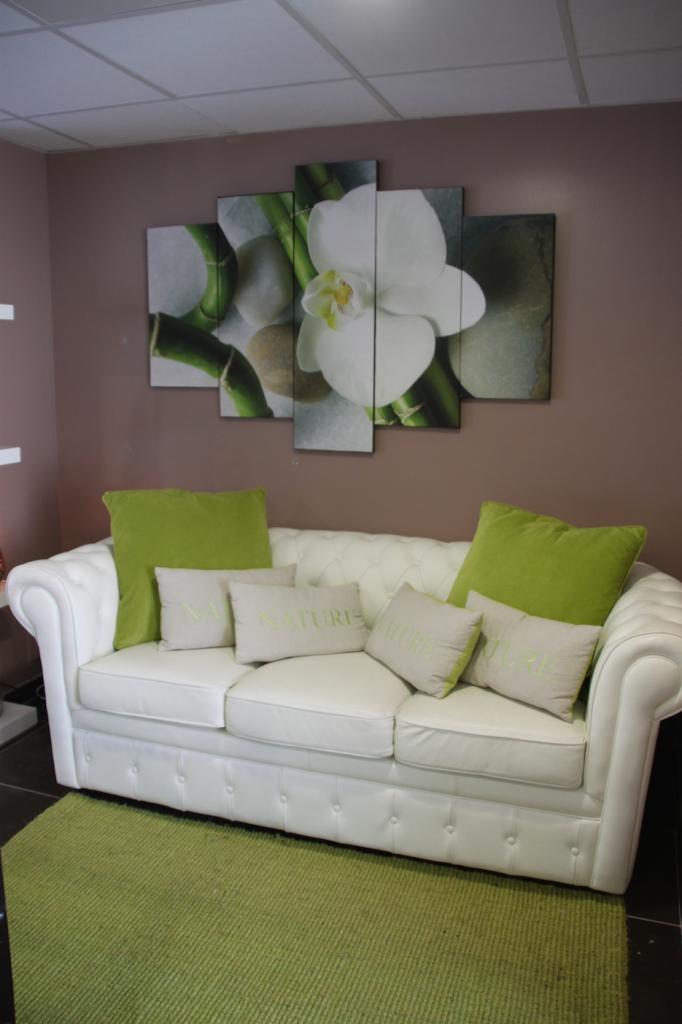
(12, 21)
(55, 11)
(293, 106)
(145, 122)
(633, 77)
(387, 36)
(251, 65)
(238, 45)
(42, 73)
(538, 86)
(610, 26)
(32, 135)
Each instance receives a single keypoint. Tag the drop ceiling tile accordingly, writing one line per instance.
(12, 21)
(633, 77)
(540, 86)
(24, 134)
(123, 126)
(238, 45)
(293, 106)
(56, 11)
(611, 26)
(389, 36)
(41, 73)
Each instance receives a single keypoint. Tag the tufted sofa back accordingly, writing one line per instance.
(379, 563)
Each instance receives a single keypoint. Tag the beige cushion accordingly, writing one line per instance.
(196, 610)
(539, 661)
(482, 733)
(286, 622)
(342, 703)
(179, 686)
(424, 640)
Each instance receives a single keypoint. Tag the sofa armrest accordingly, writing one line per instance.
(69, 604)
(637, 682)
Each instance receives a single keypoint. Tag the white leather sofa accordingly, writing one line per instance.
(340, 748)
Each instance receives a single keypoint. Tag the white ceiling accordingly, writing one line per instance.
(78, 74)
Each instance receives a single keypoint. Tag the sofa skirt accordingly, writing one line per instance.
(398, 819)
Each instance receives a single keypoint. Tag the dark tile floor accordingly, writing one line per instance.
(28, 786)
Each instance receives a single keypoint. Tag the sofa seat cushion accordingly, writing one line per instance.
(340, 703)
(482, 733)
(187, 687)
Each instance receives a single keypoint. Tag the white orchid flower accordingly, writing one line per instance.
(416, 295)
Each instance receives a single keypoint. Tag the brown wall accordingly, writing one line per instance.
(604, 449)
(29, 526)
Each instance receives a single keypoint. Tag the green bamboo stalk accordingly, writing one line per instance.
(442, 354)
(323, 181)
(412, 408)
(299, 205)
(441, 394)
(173, 338)
(281, 221)
(221, 267)
(383, 416)
(279, 210)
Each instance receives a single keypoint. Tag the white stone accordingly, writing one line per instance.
(264, 284)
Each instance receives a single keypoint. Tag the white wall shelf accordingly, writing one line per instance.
(9, 455)
(16, 719)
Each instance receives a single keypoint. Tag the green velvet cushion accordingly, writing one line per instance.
(546, 567)
(181, 530)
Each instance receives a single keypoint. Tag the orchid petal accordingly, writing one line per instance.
(405, 345)
(341, 233)
(346, 358)
(306, 346)
(410, 241)
(473, 301)
(450, 303)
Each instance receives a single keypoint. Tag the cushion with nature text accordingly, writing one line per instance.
(196, 610)
(285, 622)
(538, 661)
(181, 530)
(546, 567)
(423, 640)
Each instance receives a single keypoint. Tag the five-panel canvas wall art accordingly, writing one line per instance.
(347, 307)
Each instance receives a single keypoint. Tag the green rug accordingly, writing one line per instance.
(122, 915)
